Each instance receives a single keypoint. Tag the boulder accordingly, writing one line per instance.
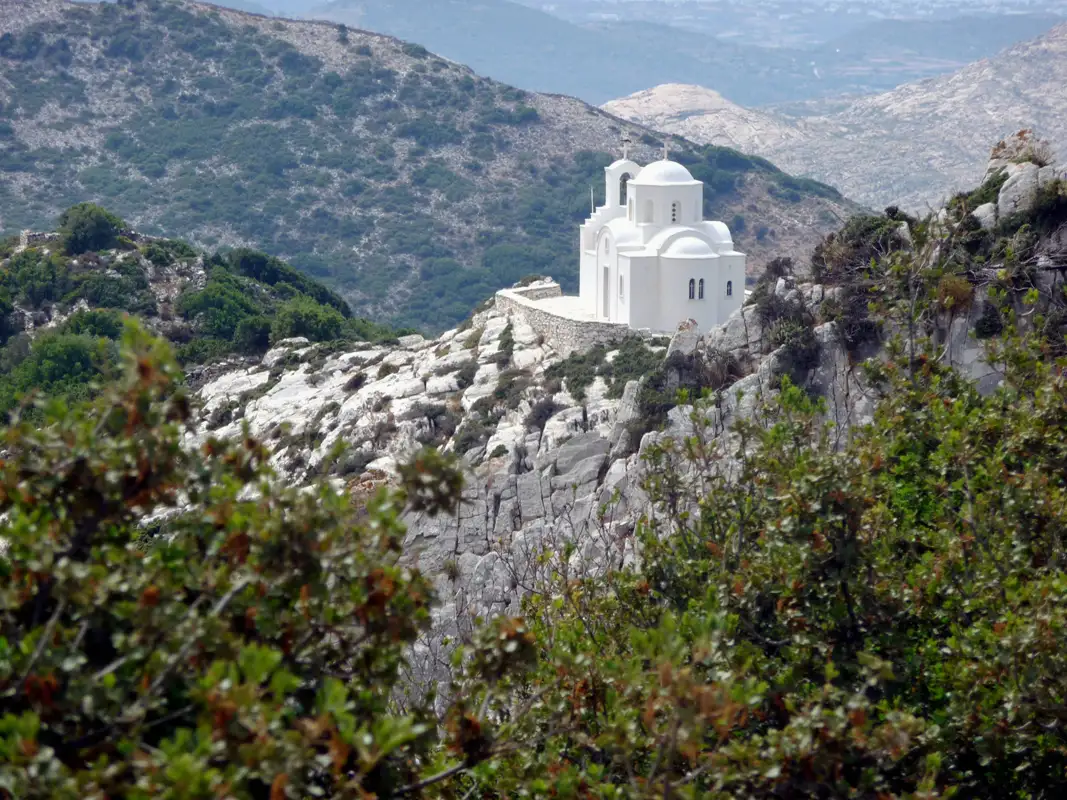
(1047, 175)
(986, 214)
(578, 449)
(442, 384)
(583, 475)
(413, 340)
(685, 340)
(742, 333)
(1019, 191)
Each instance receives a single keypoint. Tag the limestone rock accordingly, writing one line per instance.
(986, 214)
(1019, 191)
(578, 449)
(685, 341)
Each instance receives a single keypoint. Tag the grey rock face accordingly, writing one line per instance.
(986, 214)
(579, 449)
(1019, 191)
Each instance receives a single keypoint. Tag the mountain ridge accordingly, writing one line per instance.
(914, 145)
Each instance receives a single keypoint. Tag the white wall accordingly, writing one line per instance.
(643, 285)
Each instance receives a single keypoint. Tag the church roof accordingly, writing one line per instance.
(664, 173)
(689, 247)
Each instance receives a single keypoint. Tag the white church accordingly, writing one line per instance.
(650, 260)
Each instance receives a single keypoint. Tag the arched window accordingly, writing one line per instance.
(630, 210)
(700, 293)
(648, 211)
(729, 288)
(623, 189)
(621, 295)
(676, 211)
(692, 289)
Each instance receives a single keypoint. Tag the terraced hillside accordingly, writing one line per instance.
(408, 183)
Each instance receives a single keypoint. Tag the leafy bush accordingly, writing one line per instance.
(579, 370)
(87, 227)
(58, 366)
(130, 650)
(302, 316)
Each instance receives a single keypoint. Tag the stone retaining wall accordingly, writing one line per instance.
(563, 334)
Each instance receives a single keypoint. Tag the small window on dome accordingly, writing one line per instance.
(648, 211)
(729, 288)
(701, 289)
(621, 294)
(692, 289)
(676, 211)
(630, 210)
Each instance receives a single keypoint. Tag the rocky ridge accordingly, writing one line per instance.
(913, 146)
(556, 455)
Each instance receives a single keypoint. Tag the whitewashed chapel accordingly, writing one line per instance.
(650, 260)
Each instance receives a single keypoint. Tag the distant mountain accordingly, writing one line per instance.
(534, 50)
(411, 185)
(913, 146)
(704, 115)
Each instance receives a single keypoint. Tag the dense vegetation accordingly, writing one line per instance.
(411, 186)
(882, 617)
(229, 304)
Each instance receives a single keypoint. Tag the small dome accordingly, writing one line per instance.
(664, 173)
(688, 247)
(718, 232)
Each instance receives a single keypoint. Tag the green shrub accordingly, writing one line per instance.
(252, 334)
(990, 323)
(88, 227)
(172, 647)
(385, 370)
(579, 370)
(303, 316)
(465, 374)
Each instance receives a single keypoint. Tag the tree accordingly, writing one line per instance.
(87, 227)
(176, 623)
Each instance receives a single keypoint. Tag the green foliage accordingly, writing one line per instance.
(302, 316)
(966, 202)
(578, 370)
(132, 664)
(633, 361)
(57, 366)
(821, 621)
(87, 227)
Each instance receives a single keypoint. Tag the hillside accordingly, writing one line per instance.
(412, 186)
(913, 146)
(704, 115)
(64, 297)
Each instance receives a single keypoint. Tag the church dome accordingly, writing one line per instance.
(688, 247)
(663, 173)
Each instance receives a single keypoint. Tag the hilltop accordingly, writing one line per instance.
(408, 183)
(913, 146)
